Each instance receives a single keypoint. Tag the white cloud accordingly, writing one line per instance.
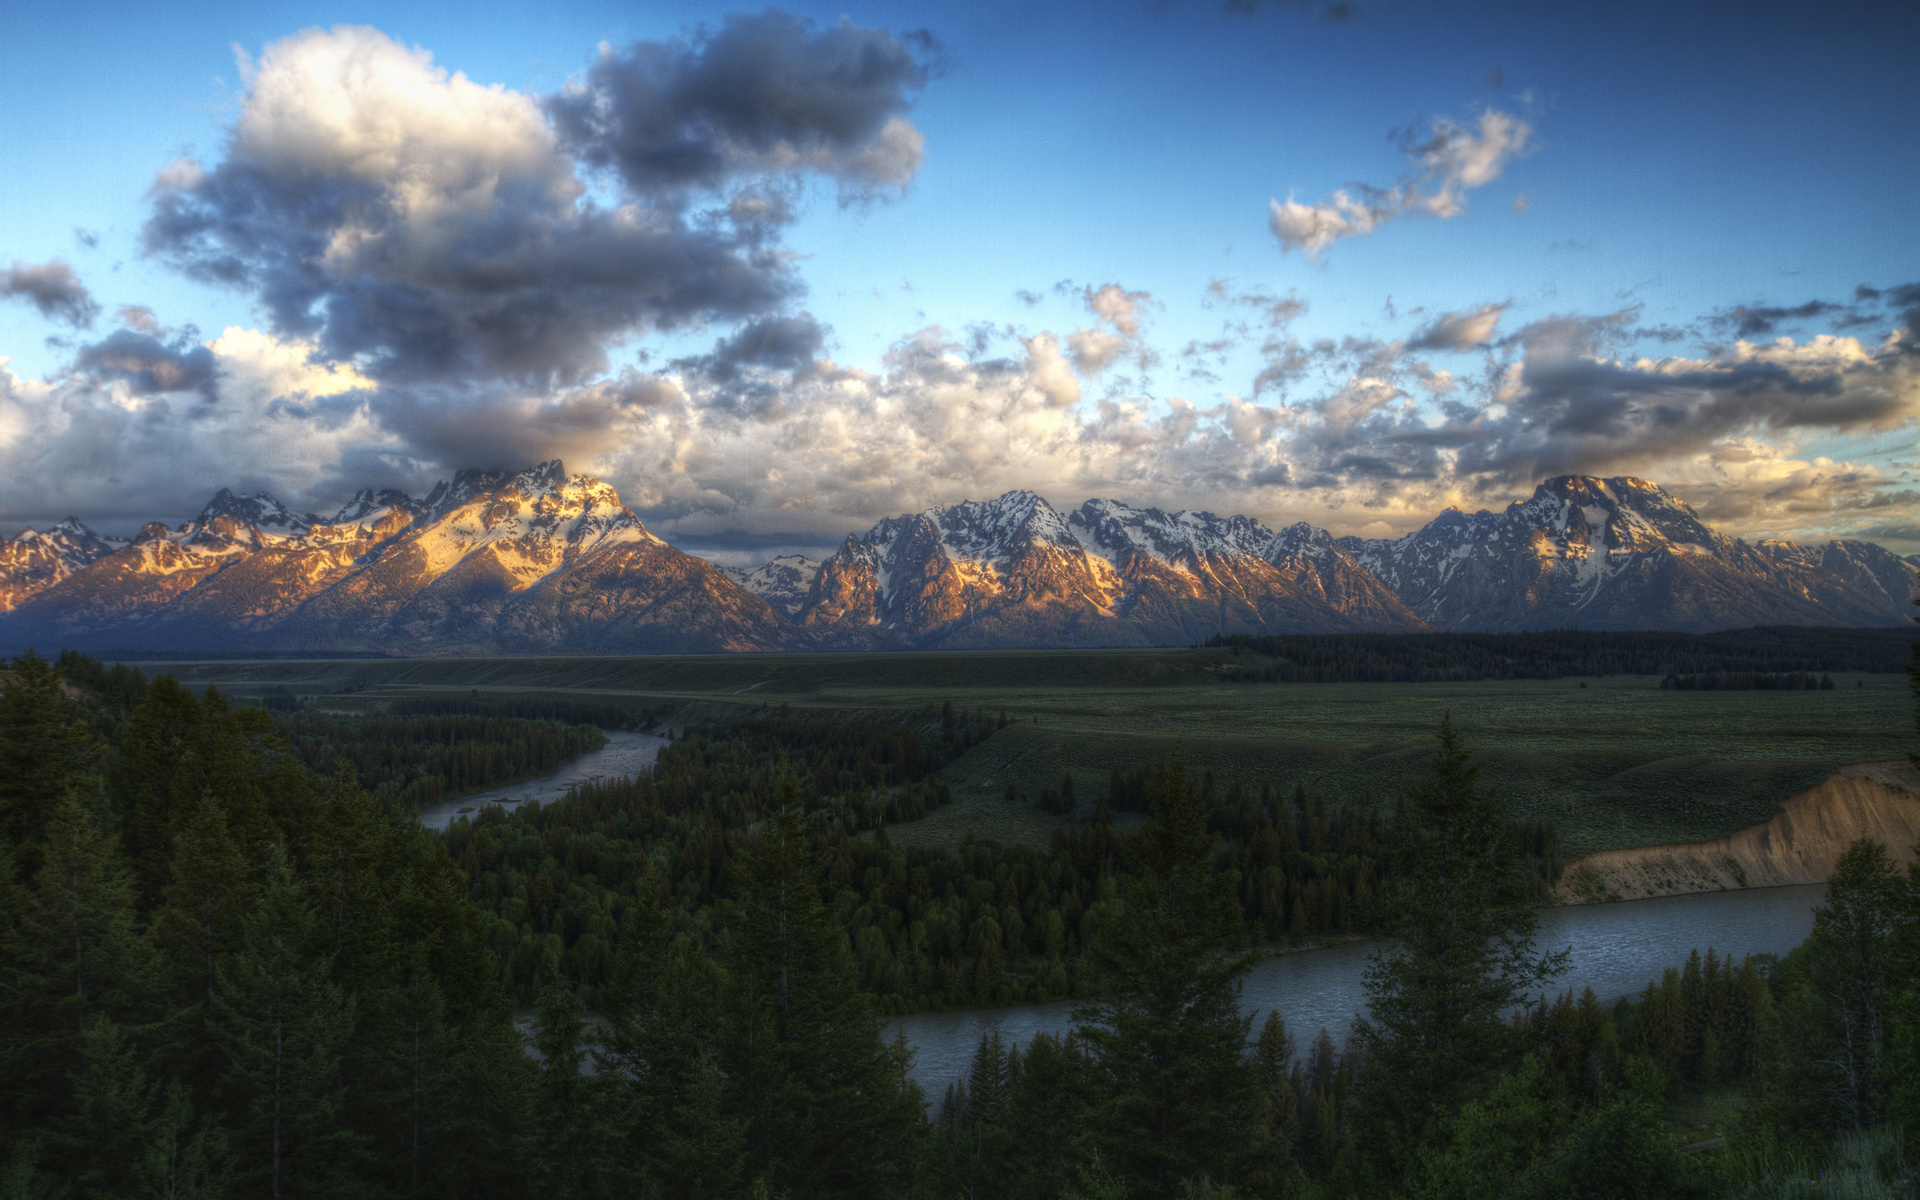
(1451, 160)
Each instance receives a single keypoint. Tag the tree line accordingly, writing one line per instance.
(1749, 681)
(420, 760)
(1467, 657)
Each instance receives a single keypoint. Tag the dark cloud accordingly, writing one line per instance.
(781, 343)
(1759, 320)
(86, 237)
(54, 288)
(765, 93)
(437, 233)
(150, 366)
(1576, 413)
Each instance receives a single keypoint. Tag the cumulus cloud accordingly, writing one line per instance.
(54, 288)
(761, 94)
(1119, 315)
(129, 435)
(1362, 434)
(1447, 160)
(434, 230)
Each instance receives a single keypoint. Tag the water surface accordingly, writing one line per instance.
(1616, 950)
(625, 755)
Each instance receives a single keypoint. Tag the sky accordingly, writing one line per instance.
(779, 273)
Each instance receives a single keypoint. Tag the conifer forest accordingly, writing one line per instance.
(234, 963)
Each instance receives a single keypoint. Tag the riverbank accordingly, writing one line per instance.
(1800, 845)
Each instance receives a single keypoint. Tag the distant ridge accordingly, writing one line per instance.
(543, 562)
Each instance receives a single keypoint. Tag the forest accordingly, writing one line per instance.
(223, 973)
(929, 929)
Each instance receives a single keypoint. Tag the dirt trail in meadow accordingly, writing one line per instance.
(1800, 845)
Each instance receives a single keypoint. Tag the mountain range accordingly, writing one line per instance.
(540, 561)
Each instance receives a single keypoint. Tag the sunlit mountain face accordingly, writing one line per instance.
(542, 561)
(916, 325)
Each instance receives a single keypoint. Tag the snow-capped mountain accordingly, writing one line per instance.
(784, 582)
(1013, 571)
(488, 563)
(541, 561)
(31, 562)
(1622, 554)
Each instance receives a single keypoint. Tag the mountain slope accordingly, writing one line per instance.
(540, 561)
(1013, 572)
(532, 562)
(1608, 554)
(31, 562)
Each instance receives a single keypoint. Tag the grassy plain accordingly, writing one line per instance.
(1617, 762)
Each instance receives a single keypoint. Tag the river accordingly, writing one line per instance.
(625, 754)
(1616, 950)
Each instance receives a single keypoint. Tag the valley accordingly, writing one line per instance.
(1614, 762)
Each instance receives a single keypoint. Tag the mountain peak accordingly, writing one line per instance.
(259, 510)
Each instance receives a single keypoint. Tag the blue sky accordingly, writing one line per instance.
(1673, 166)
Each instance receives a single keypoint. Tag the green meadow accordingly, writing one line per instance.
(1614, 761)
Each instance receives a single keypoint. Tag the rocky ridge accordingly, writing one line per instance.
(540, 561)
(1621, 553)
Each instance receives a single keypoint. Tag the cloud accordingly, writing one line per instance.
(1449, 160)
(149, 366)
(1122, 314)
(54, 288)
(762, 94)
(1460, 331)
(1566, 410)
(1048, 371)
(435, 231)
(130, 434)
(1757, 320)
(86, 237)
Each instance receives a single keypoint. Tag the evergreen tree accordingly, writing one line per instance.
(828, 1109)
(186, 1157)
(203, 904)
(1828, 1041)
(104, 1136)
(1462, 955)
(282, 1026)
(663, 1044)
(71, 952)
(154, 778)
(1176, 1098)
(570, 1137)
(46, 752)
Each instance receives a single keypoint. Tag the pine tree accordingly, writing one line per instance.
(155, 776)
(1853, 936)
(198, 923)
(105, 1133)
(46, 752)
(1462, 955)
(570, 1136)
(282, 1026)
(663, 1044)
(185, 1157)
(828, 1108)
(71, 953)
(1165, 1031)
